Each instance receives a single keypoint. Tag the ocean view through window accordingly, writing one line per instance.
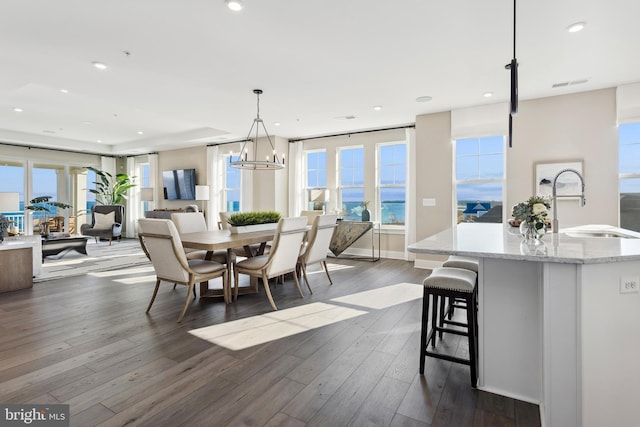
(479, 177)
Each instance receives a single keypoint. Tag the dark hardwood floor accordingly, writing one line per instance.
(346, 355)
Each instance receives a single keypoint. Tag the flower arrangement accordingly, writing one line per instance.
(533, 213)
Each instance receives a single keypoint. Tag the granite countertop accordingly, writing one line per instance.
(571, 245)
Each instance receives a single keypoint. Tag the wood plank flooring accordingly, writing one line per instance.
(347, 355)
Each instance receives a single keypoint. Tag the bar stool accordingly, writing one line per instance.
(450, 282)
(457, 261)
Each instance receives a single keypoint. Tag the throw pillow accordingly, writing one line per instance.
(103, 221)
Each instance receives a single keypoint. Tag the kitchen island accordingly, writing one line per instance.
(559, 322)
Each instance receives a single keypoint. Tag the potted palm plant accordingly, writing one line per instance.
(110, 189)
(45, 205)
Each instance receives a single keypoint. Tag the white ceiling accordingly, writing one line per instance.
(183, 71)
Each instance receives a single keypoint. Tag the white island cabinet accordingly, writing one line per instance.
(559, 322)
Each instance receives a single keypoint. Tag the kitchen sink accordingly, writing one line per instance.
(600, 231)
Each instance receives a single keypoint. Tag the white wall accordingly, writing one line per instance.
(563, 128)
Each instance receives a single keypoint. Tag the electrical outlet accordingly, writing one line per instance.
(629, 284)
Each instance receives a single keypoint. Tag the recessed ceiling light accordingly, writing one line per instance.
(99, 65)
(276, 123)
(423, 99)
(87, 122)
(64, 90)
(235, 5)
(18, 109)
(487, 94)
(377, 107)
(140, 132)
(98, 140)
(578, 26)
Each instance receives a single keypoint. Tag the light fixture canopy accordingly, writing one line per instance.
(246, 160)
(577, 26)
(235, 5)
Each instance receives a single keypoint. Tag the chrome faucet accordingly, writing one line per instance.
(555, 195)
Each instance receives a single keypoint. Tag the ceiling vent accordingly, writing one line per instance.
(571, 83)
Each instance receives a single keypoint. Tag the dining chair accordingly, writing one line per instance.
(282, 258)
(194, 222)
(314, 250)
(161, 243)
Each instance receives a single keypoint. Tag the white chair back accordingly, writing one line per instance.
(320, 238)
(285, 249)
(189, 222)
(311, 215)
(224, 217)
(164, 246)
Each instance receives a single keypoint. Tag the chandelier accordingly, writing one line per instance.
(246, 160)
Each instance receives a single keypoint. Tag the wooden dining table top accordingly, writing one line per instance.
(223, 239)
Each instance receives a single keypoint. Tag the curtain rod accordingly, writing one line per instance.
(30, 147)
(325, 136)
(352, 133)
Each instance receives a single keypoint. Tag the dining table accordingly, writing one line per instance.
(254, 244)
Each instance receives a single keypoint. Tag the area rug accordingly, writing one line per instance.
(100, 257)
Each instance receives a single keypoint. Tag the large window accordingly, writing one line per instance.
(351, 182)
(392, 180)
(316, 166)
(629, 170)
(12, 181)
(232, 185)
(479, 179)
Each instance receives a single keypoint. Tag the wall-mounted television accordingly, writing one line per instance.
(179, 184)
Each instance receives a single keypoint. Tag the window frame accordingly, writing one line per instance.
(626, 175)
(379, 185)
(225, 189)
(307, 187)
(339, 185)
(456, 182)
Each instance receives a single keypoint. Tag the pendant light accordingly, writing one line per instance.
(246, 160)
(513, 68)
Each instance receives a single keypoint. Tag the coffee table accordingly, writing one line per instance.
(63, 244)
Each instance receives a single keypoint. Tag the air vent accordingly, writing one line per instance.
(571, 83)
(349, 117)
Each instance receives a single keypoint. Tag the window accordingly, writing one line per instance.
(479, 179)
(232, 185)
(392, 180)
(12, 181)
(351, 187)
(629, 173)
(316, 164)
(143, 182)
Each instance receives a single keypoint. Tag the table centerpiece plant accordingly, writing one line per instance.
(253, 221)
(533, 214)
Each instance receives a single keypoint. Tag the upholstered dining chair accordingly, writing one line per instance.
(282, 258)
(160, 240)
(193, 222)
(314, 250)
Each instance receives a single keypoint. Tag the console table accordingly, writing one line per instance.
(348, 232)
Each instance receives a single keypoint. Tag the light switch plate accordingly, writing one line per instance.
(629, 284)
(428, 202)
